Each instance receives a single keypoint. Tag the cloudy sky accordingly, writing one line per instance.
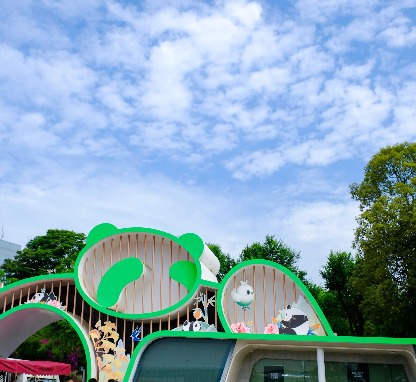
(231, 119)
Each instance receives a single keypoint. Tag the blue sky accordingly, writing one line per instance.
(230, 119)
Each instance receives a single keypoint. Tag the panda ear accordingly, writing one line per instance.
(288, 307)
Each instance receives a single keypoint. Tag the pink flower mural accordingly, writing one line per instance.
(240, 327)
(271, 329)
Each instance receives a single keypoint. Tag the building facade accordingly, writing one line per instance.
(8, 250)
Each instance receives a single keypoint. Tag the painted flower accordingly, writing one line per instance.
(55, 303)
(271, 329)
(240, 327)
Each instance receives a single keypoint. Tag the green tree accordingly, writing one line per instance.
(330, 306)
(57, 342)
(276, 251)
(385, 240)
(226, 261)
(337, 274)
(54, 252)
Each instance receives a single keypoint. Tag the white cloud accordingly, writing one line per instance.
(137, 112)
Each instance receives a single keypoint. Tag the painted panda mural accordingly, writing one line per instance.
(294, 321)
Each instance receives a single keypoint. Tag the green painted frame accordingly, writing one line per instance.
(288, 273)
(190, 241)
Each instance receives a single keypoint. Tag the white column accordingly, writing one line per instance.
(320, 359)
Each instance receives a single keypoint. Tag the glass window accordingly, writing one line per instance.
(335, 372)
(364, 372)
(184, 360)
(279, 370)
(288, 370)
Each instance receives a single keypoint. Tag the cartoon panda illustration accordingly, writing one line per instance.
(38, 297)
(294, 322)
(52, 297)
(193, 326)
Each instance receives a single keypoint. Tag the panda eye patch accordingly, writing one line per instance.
(248, 292)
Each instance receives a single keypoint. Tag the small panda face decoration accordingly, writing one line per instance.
(37, 297)
(288, 314)
(193, 326)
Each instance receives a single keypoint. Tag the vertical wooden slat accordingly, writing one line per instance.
(59, 290)
(187, 312)
(235, 305)
(153, 272)
(126, 289)
(82, 310)
(12, 301)
(102, 260)
(169, 322)
(284, 291)
(21, 295)
(178, 320)
(28, 293)
(75, 301)
(67, 294)
(120, 238)
(124, 331)
(135, 282)
(294, 291)
(133, 328)
(90, 319)
(264, 296)
(144, 262)
(179, 285)
(142, 334)
(93, 269)
(245, 311)
(151, 326)
(254, 302)
(120, 244)
(225, 305)
(85, 272)
(170, 280)
(111, 251)
(5, 299)
(274, 293)
(161, 273)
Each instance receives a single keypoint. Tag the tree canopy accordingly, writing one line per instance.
(385, 240)
(51, 253)
(337, 274)
(276, 251)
